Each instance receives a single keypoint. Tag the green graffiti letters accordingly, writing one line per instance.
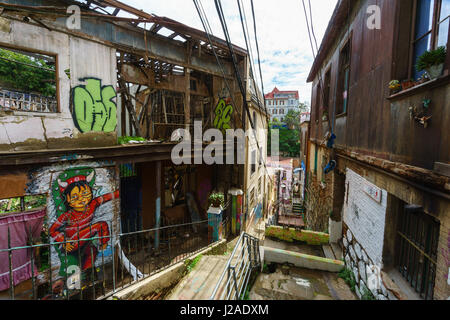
(223, 115)
(93, 108)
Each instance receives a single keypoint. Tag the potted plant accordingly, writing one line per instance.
(432, 62)
(395, 86)
(406, 84)
(216, 199)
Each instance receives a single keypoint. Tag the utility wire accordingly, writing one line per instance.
(208, 31)
(207, 27)
(259, 60)
(322, 94)
(238, 76)
(249, 50)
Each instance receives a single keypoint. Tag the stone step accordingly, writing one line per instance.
(328, 252)
(200, 282)
(337, 250)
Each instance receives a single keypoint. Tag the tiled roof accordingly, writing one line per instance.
(275, 90)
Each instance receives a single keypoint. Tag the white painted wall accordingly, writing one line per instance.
(84, 59)
(364, 216)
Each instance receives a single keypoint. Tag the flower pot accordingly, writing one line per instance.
(407, 84)
(435, 71)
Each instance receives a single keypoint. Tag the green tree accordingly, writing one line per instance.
(292, 119)
(26, 73)
(289, 139)
(303, 107)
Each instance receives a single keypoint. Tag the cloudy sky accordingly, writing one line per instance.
(286, 56)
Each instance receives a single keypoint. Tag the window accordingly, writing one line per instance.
(430, 28)
(22, 204)
(326, 90)
(253, 162)
(317, 103)
(260, 156)
(27, 81)
(418, 234)
(344, 78)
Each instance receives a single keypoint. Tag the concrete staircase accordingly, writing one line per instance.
(200, 282)
(332, 251)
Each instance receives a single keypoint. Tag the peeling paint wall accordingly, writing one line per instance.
(21, 130)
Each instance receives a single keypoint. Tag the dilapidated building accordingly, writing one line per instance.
(87, 113)
(379, 158)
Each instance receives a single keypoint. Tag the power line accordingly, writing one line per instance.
(238, 76)
(314, 55)
(249, 50)
(208, 31)
(259, 60)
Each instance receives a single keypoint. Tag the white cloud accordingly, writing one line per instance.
(285, 49)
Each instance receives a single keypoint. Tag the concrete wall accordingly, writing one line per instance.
(302, 260)
(21, 130)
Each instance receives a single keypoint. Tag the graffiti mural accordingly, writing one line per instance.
(223, 113)
(93, 108)
(76, 205)
(82, 204)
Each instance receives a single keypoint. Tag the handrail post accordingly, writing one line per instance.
(235, 284)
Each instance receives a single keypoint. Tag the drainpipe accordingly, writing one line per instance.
(158, 203)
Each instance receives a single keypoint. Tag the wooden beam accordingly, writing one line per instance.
(129, 106)
(187, 92)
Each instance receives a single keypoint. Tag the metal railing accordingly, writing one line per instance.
(234, 280)
(130, 258)
(15, 100)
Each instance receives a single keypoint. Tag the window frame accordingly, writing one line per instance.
(341, 86)
(253, 162)
(437, 6)
(57, 79)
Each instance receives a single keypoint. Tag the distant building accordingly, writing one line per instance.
(279, 103)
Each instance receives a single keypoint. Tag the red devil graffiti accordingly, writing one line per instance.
(75, 224)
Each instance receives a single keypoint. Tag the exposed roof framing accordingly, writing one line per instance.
(128, 33)
(175, 26)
